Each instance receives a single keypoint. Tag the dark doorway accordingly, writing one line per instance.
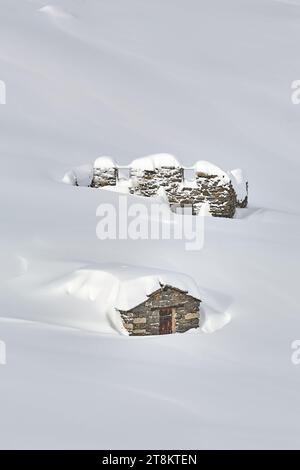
(165, 321)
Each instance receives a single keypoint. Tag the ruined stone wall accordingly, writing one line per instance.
(143, 183)
(147, 183)
(221, 196)
(104, 177)
(211, 189)
(144, 319)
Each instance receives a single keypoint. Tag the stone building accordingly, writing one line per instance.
(222, 192)
(133, 300)
(167, 310)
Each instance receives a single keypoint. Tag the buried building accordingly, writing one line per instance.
(136, 301)
(223, 192)
(167, 310)
(213, 186)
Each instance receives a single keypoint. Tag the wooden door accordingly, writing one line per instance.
(165, 321)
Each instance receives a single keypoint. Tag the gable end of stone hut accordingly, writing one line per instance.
(167, 310)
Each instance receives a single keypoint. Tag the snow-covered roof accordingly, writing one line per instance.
(151, 162)
(210, 169)
(123, 287)
(105, 162)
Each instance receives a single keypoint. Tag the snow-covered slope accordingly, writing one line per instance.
(203, 80)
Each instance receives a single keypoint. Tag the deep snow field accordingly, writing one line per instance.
(200, 79)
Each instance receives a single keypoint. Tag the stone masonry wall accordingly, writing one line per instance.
(220, 194)
(104, 177)
(144, 319)
(147, 183)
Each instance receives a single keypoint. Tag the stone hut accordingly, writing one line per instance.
(133, 300)
(167, 310)
(105, 173)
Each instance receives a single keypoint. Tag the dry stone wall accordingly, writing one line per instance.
(147, 183)
(218, 192)
(104, 177)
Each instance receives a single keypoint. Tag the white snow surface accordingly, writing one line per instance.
(81, 175)
(238, 181)
(106, 77)
(104, 162)
(209, 168)
(151, 162)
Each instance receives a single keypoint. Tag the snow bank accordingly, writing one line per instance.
(213, 320)
(104, 163)
(125, 286)
(152, 162)
(210, 169)
(239, 181)
(80, 175)
(122, 186)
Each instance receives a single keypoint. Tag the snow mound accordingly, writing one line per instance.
(122, 186)
(113, 287)
(105, 162)
(80, 176)
(239, 181)
(208, 168)
(214, 321)
(123, 287)
(152, 162)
